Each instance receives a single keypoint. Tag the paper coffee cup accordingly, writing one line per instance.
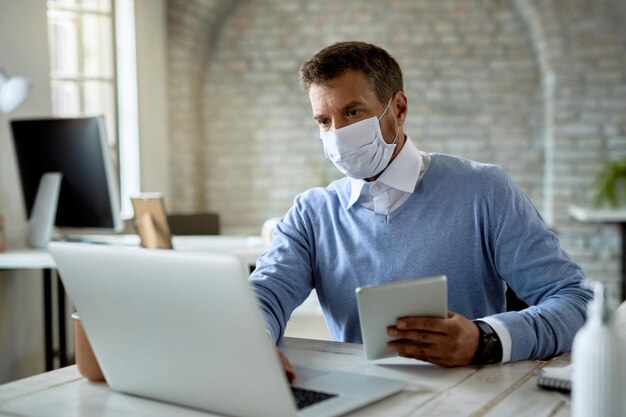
(85, 358)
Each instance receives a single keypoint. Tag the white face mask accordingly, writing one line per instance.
(359, 150)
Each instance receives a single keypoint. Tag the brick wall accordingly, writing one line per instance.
(475, 73)
(587, 45)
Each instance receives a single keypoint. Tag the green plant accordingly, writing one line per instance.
(611, 184)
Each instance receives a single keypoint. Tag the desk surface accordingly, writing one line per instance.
(249, 248)
(496, 390)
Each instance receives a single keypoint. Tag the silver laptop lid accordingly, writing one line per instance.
(146, 315)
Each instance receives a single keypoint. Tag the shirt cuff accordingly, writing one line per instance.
(503, 334)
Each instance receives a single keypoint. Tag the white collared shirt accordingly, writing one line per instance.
(395, 185)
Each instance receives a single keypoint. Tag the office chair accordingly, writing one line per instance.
(194, 224)
(513, 302)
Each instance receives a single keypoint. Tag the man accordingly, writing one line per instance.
(401, 213)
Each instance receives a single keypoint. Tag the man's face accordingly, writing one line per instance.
(348, 99)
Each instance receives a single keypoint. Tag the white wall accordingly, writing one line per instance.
(23, 51)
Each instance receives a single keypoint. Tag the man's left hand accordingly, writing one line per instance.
(452, 341)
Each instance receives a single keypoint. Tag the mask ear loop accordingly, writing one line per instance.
(396, 137)
(385, 111)
(381, 116)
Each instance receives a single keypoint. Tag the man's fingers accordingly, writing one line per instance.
(416, 335)
(430, 324)
(447, 342)
(291, 374)
(424, 351)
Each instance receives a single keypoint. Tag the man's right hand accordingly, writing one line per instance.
(445, 342)
(291, 374)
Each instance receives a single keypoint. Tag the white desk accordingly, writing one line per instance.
(248, 248)
(496, 390)
(26, 259)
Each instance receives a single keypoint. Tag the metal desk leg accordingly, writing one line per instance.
(61, 322)
(47, 318)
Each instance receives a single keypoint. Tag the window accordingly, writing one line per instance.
(82, 64)
(87, 70)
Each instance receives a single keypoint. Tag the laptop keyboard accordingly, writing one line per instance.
(305, 397)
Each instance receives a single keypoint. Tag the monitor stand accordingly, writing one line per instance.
(44, 211)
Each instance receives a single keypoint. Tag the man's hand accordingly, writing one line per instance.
(452, 341)
(291, 374)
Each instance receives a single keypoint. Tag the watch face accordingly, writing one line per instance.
(489, 348)
(491, 352)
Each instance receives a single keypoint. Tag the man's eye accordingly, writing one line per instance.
(353, 113)
(323, 122)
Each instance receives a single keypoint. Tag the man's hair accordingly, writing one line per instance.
(382, 71)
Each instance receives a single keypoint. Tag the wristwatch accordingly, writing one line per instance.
(489, 346)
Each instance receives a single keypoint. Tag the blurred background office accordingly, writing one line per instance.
(203, 104)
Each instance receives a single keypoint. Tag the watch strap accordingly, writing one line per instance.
(489, 345)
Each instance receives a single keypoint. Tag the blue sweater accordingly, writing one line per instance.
(465, 220)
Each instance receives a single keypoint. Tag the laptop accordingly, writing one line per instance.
(185, 328)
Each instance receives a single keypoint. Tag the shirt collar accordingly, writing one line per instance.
(401, 174)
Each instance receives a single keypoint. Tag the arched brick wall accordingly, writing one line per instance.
(470, 76)
(193, 26)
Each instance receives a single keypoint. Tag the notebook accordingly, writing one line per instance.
(555, 378)
(185, 328)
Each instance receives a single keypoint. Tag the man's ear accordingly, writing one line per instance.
(400, 103)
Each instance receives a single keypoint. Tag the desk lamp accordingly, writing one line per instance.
(13, 91)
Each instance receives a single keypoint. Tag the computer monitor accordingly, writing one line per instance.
(77, 148)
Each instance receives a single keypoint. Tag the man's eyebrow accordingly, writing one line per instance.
(318, 116)
(348, 106)
(352, 104)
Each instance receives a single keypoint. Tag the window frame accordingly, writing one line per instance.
(123, 140)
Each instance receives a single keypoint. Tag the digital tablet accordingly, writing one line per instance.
(380, 306)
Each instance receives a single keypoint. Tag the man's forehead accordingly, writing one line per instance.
(327, 103)
(348, 89)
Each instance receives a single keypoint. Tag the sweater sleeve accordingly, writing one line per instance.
(531, 261)
(282, 279)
